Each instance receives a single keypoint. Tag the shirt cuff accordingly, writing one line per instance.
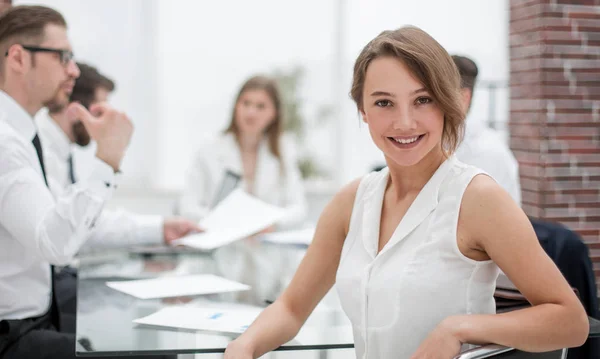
(149, 229)
(103, 179)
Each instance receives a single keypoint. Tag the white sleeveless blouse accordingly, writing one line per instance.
(394, 299)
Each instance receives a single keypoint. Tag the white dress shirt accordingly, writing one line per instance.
(204, 177)
(397, 297)
(36, 229)
(483, 147)
(113, 228)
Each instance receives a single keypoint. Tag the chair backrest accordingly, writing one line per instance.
(571, 256)
(495, 351)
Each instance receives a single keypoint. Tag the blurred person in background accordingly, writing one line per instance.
(483, 147)
(58, 132)
(254, 148)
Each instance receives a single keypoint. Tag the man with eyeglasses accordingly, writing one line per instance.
(38, 231)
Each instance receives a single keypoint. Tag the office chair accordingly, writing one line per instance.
(495, 351)
(571, 256)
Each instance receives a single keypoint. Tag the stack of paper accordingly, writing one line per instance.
(238, 216)
(179, 286)
(228, 320)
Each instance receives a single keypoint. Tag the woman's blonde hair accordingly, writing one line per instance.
(429, 63)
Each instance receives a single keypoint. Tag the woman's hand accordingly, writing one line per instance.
(442, 342)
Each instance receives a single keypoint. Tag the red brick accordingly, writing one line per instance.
(574, 212)
(582, 92)
(569, 145)
(557, 49)
(525, 118)
(529, 196)
(580, 77)
(575, 223)
(525, 12)
(577, 2)
(585, 72)
(570, 204)
(549, 13)
(534, 171)
(531, 210)
(555, 37)
(526, 104)
(574, 158)
(575, 14)
(595, 245)
(527, 78)
(578, 183)
(561, 63)
(578, 105)
(584, 195)
(525, 3)
(582, 55)
(530, 158)
(583, 24)
(525, 144)
(529, 24)
(563, 132)
(568, 171)
(532, 184)
(524, 131)
(526, 51)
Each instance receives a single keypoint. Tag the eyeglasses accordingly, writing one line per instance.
(65, 55)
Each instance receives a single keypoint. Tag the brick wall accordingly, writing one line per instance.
(555, 111)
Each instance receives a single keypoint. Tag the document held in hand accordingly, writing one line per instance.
(238, 216)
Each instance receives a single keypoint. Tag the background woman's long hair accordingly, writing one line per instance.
(274, 130)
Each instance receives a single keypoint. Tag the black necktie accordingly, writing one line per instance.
(53, 305)
(40, 154)
(71, 170)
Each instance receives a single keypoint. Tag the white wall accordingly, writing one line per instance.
(119, 38)
(202, 66)
(179, 63)
(207, 51)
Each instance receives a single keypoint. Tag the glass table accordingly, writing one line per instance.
(105, 316)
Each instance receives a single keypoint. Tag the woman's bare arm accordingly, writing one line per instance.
(281, 321)
(495, 223)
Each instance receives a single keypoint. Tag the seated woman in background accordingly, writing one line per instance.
(415, 249)
(254, 148)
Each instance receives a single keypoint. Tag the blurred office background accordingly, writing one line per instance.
(179, 63)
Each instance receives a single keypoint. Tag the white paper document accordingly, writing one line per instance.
(177, 286)
(301, 236)
(228, 320)
(238, 216)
